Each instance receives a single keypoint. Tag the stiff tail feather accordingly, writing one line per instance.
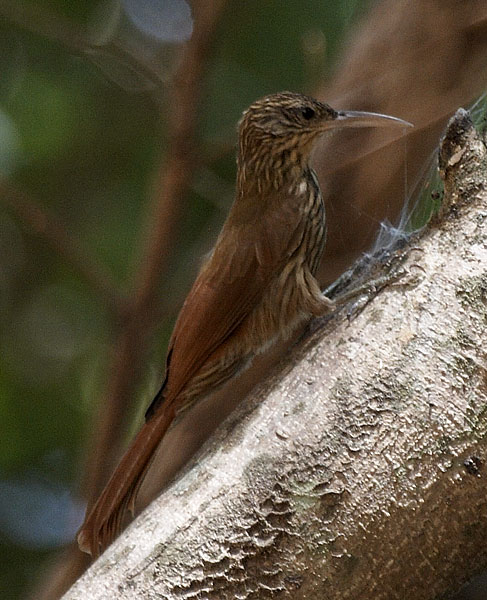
(103, 523)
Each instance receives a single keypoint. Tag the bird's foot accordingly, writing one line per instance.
(363, 294)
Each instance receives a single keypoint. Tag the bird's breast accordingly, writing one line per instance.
(284, 304)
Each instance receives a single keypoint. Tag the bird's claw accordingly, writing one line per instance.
(362, 295)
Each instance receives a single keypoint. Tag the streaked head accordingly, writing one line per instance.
(282, 121)
(284, 114)
(288, 123)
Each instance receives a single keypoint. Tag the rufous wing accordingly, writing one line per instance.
(249, 254)
(246, 259)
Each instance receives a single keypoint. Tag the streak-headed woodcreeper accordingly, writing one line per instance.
(257, 285)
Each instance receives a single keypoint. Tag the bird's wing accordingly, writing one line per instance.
(247, 257)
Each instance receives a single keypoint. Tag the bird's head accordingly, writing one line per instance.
(277, 132)
(282, 122)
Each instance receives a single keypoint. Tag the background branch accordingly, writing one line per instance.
(50, 229)
(130, 346)
(133, 335)
(43, 21)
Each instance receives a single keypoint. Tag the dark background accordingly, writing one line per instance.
(83, 137)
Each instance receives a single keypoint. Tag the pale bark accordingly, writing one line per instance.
(359, 470)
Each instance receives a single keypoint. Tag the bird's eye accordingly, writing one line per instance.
(308, 113)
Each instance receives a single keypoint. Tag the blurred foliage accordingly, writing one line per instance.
(83, 134)
(77, 138)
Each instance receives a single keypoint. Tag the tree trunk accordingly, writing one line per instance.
(359, 470)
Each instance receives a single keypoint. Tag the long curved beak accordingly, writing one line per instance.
(355, 118)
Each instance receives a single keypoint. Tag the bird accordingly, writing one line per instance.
(256, 286)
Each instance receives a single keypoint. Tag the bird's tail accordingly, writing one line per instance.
(103, 522)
